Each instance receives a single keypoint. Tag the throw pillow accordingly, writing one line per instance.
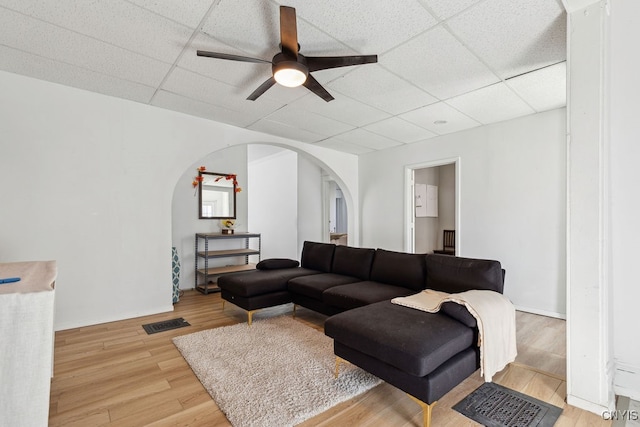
(277, 263)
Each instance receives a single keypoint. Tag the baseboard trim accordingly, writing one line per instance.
(541, 312)
(121, 316)
(589, 406)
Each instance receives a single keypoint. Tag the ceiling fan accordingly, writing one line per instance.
(289, 67)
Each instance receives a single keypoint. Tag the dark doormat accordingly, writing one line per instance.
(165, 325)
(496, 406)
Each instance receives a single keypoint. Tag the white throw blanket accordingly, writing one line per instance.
(496, 318)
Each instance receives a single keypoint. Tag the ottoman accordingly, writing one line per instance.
(253, 290)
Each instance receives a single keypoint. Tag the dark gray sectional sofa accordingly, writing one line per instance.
(423, 354)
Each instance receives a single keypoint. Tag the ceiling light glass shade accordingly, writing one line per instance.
(290, 74)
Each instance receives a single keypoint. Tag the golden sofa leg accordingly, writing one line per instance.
(339, 360)
(294, 310)
(250, 316)
(223, 301)
(426, 410)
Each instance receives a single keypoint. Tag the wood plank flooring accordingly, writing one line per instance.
(114, 374)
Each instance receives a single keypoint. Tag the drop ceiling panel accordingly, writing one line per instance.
(285, 131)
(50, 41)
(544, 89)
(503, 104)
(342, 108)
(187, 13)
(144, 50)
(195, 86)
(248, 25)
(400, 130)
(445, 9)
(138, 29)
(336, 143)
(19, 62)
(429, 116)
(172, 101)
(363, 24)
(306, 120)
(513, 38)
(381, 89)
(438, 63)
(246, 75)
(368, 139)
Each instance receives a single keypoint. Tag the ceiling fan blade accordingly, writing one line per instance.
(312, 84)
(262, 89)
(316, 63)
(230, 57)
(288, 31)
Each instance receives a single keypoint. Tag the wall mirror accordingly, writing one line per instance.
(216, 196)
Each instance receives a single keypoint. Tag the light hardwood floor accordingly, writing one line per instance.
(115, 374)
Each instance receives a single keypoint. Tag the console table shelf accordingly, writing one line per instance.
(205, 273)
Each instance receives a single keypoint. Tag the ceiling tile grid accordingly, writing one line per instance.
(335, 143)
(367, 139)
(50, 41)
(399, 130)
(514, 37)
(491, 104)
(545, 89)
(309, 121)
(146, 32)
(381, 89)
(20, 62)
(438, 63)
(444, 66)
(343, 109)
(440, 119)
(367, 26)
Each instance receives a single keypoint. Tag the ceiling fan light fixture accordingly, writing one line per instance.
(290, 73)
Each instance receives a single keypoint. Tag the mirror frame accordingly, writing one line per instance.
(234, 190)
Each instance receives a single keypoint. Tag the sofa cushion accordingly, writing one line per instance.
(455, 274)
(354, 262)
(276, 263)
(317, 256)
(460, 313)
(359, 294)
(258, 282)
(411, 340)
(400, 269)
(314, 285)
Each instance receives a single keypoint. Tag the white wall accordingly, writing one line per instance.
(624, 135)
(309, 203)
(512, 203)
(184, 210)
(273, 203)
(88, 180)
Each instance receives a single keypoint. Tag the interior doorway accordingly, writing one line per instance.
(335, 208)
(432, 194)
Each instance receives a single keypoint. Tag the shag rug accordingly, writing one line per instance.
(277, 372)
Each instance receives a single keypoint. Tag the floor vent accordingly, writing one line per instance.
(165, 325)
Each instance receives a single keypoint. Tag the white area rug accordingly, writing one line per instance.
(277, 372)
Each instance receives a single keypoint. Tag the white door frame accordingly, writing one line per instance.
(409, 202)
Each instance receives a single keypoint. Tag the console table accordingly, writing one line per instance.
(204, 253)
(26, 334)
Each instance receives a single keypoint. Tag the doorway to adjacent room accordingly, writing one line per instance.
(432, 206)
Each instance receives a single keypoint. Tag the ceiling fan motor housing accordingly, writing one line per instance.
(290, 71)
